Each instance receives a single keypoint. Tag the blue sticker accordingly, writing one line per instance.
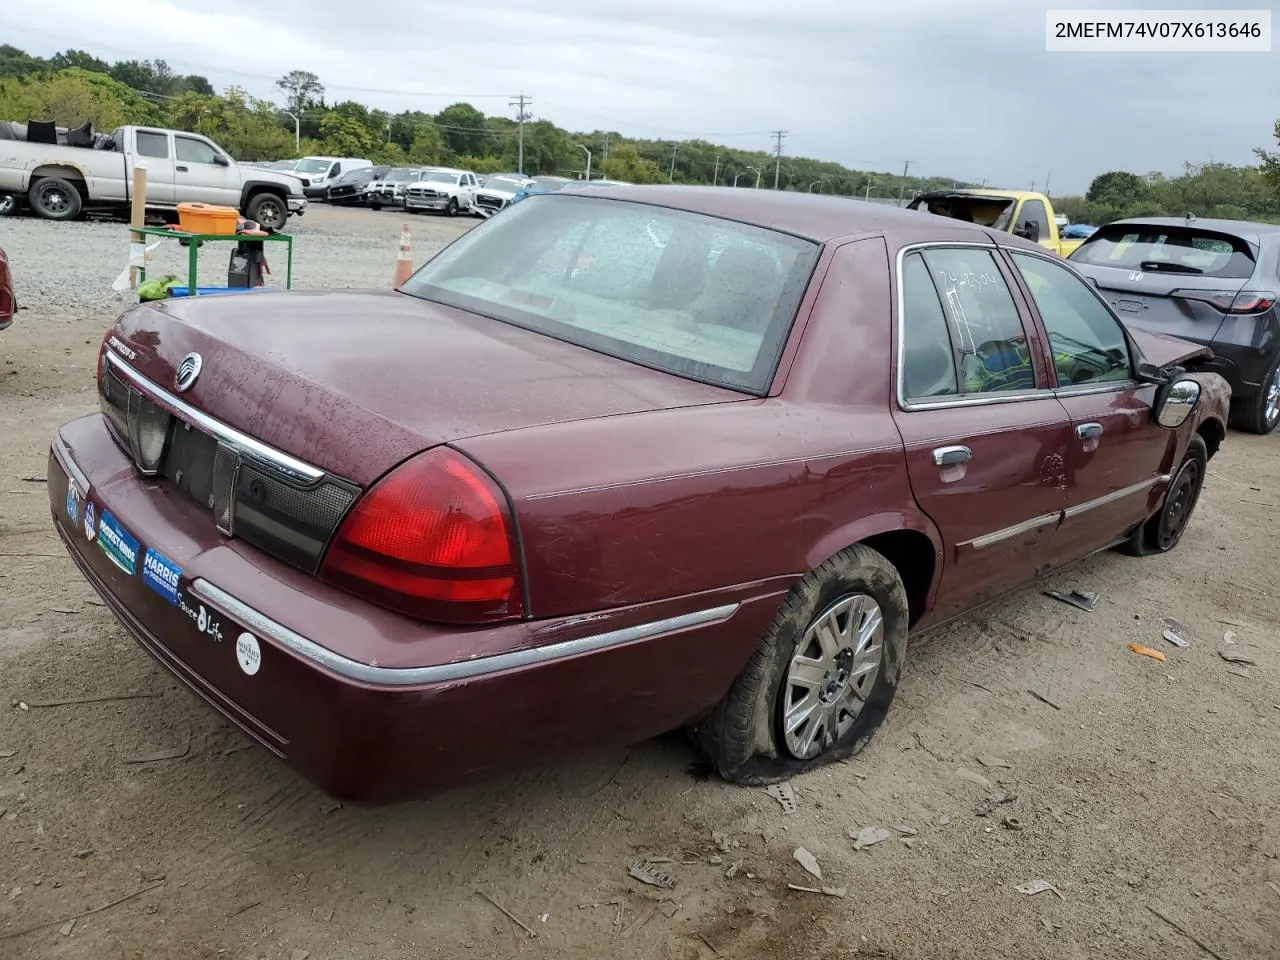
(161, 574)
(73, 504)
(117, 543)
(89, 527)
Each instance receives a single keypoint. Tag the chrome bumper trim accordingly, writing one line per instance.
(446, 672)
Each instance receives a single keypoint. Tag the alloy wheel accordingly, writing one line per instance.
(831, 674)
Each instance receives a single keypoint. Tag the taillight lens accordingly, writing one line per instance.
(435, 540)
(1244, 302)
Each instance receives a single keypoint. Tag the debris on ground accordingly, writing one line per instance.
(964, 773)
(808, 861)
(1011, 823)
(1229, 637)
(989, 761)
(330, 807)
(1033, 887)
(838, 892)
(869, 837)
(323, 914)
(646, 873)
(1043, 699)
(1174, 637)
(67, 927)
(1176, 626)
(715, 860)
(1145, 651)
(157, 754)
(1239, 658)
(721, 840)
(785, 796)
(733, 870)
(905, 830)
(1076, 598)
(509, 915)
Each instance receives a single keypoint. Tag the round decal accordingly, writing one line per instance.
(248, 654)
(90, 527)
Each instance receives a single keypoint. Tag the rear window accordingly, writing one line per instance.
(696, 296)
(1168, 250)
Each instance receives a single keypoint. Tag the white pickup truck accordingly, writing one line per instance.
(60, 180)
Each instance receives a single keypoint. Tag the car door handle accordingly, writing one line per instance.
(950, 456)
(1089, 431)
(183, 169)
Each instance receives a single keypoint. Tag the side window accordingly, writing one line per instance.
(1088, 343)
(928, 358)
(991, 349)
(153, 145)
(1034, 211)
(194, 151)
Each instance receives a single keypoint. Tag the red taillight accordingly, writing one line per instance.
(1246, 301)
(434, 539)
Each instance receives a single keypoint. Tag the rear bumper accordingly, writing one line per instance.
(368, 705)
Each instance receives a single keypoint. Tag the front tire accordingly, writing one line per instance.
(1164, 531)
(823, 677)
(452, 209)
(1261, 412)
(55, 199)
(268, 210)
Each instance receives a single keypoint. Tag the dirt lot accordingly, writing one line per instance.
(1145, 792)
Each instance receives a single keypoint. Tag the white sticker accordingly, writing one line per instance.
(248, 654)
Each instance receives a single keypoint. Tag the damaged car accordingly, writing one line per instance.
(615, 463)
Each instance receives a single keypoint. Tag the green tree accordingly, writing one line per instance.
(344, 137)
(625, 163)
(464, 130)
(302, 89)
(19, 63)
(79, 59)
(245, 127)
(70, 97)
(428, 146)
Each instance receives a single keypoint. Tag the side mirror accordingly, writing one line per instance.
(1175, 403)
(1149, 373)
(221, 160)
(1030, 230)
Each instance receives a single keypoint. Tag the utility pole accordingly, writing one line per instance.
(1033, 186)
(715, 177)
(521, 101)
(867, 195)
(777, 162)
(605, 162)
(674, 147)
(1046, 182)
(902, 193)
(588, 153)
(297, 130)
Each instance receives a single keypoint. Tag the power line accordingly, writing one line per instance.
(777, 162)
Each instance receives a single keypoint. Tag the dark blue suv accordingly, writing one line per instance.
(1213, 282)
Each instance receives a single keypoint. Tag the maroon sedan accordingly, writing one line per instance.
(8, 303)
(612, 464)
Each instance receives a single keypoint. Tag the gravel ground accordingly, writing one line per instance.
(1144, 792)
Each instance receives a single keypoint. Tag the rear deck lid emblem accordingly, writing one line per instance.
(188, 370)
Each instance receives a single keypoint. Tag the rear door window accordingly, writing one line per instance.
(153, 145)
(1162, 249)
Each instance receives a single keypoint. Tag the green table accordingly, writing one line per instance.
(194, 250)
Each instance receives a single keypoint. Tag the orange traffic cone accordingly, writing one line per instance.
(404, 263)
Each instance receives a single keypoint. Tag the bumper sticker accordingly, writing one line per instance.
(73, 503)
(117, 543)
(89, 527)
(206, 620)
(161, 574)
(248, 654)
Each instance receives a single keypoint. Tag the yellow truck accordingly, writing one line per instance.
(1019, 212)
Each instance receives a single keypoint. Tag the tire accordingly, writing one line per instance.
(268, 210)
(745, 737)
(9, 204)
(1261, 412)
(375, 206)
(54, 199)
(452, 209)
(1164, 531)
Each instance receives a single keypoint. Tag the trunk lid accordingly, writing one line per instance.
(355, 383)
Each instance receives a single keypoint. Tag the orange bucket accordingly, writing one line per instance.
(207, 218)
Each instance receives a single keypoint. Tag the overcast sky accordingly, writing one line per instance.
(961, 90)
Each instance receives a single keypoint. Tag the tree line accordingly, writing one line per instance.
(74, 86)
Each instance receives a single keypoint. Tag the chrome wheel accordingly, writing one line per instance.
(831, 675)
(1271, 402)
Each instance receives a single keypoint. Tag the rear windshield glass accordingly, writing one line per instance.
(696, 296)
(1168, 249)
